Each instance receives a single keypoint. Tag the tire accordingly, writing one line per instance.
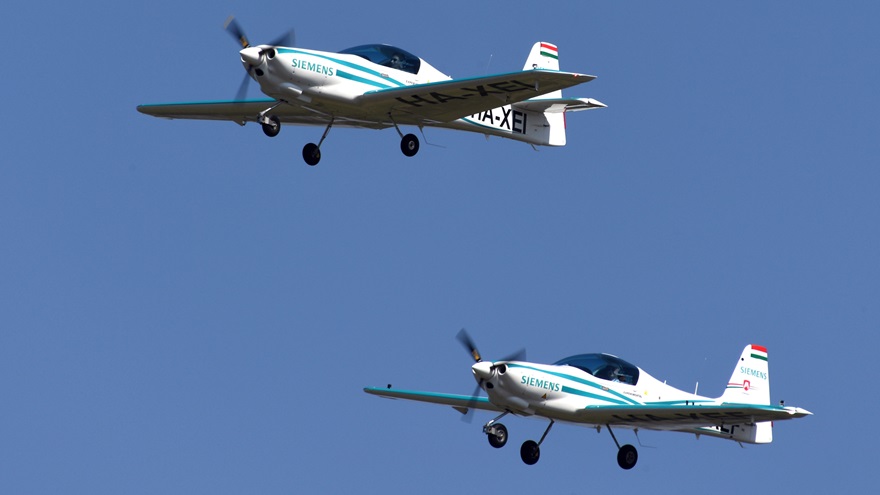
(530, 452)
(409, 145)
(627, 457)
(311, 154)
(272, 129)
(499, 438)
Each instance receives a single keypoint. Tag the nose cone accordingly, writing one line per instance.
(251, 56)
(482, 370)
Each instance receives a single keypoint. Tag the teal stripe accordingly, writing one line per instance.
(579, 380)
(345, 63)
(762, 358)
(352, 77)
(583, 393)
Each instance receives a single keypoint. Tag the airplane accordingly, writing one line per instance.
(601, 390)
(381, 86)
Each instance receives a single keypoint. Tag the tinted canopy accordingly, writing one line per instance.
(387, 55)
(603, 366)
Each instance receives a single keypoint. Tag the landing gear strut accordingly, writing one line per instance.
(626, 455)
(312, 151)
(531, 450)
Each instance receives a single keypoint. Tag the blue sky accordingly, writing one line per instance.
(188, 308)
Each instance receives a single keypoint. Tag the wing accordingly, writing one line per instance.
(241, 112)
(674, 417)
(450, 100)
(459, 402)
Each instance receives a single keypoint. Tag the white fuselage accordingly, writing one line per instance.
(329, 83)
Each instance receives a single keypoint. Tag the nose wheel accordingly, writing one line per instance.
(497, 435)
(271, 126)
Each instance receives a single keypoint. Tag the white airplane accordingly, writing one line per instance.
(382, 86)
(603, 390)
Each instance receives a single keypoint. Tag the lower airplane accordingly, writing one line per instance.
(601, 390)
(382, 86)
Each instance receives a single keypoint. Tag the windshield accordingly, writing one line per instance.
(603, 366)
(387, 55)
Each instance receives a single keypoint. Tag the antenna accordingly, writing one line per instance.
(696, 388)
(488, 64)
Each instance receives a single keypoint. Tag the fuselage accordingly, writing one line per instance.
(329, 83)
(563, 391)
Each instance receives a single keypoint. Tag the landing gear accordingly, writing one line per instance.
(272, 126)
(270, 123)
(497, 435)
(311, 154)
(496, 432)
(409, 145)
(312, 151)
(626, 455)
(531, 450)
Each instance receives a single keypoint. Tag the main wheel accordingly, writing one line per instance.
(499, 438)
(311, 154)
(627, 456)
(409, 145)
(272, 129)
(530, 452)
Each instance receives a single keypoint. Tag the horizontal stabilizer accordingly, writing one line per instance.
(559, 105)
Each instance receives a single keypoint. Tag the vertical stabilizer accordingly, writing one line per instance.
(544, 56)
(750, 381)
(750, 384)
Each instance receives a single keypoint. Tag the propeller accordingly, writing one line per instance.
(251, 55)
(465, 339)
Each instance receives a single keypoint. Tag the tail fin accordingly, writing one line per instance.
(750, 381)
(544, 56)
(750, 384)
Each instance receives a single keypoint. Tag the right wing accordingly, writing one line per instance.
(460, 402)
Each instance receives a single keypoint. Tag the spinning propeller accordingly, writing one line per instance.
(485, 370)
(253, 55)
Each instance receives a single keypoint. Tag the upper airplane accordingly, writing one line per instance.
(603, 390)
(381, 86)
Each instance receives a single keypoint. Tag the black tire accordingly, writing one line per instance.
(499, 438)
(627, 457)
(409, 145)
(272, 129)
(530, 452)
(311, 154)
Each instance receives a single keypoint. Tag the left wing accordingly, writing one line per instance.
(446, 101)
(238, 112)
(673, 417)
(460, 402)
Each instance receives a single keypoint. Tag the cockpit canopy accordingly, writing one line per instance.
(603, 366)
(387, 55)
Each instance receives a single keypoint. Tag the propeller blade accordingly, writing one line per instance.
(519, 355)
(242, 89)
(286, 39)
(468, 417)
(232, 27)
(468, 344)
